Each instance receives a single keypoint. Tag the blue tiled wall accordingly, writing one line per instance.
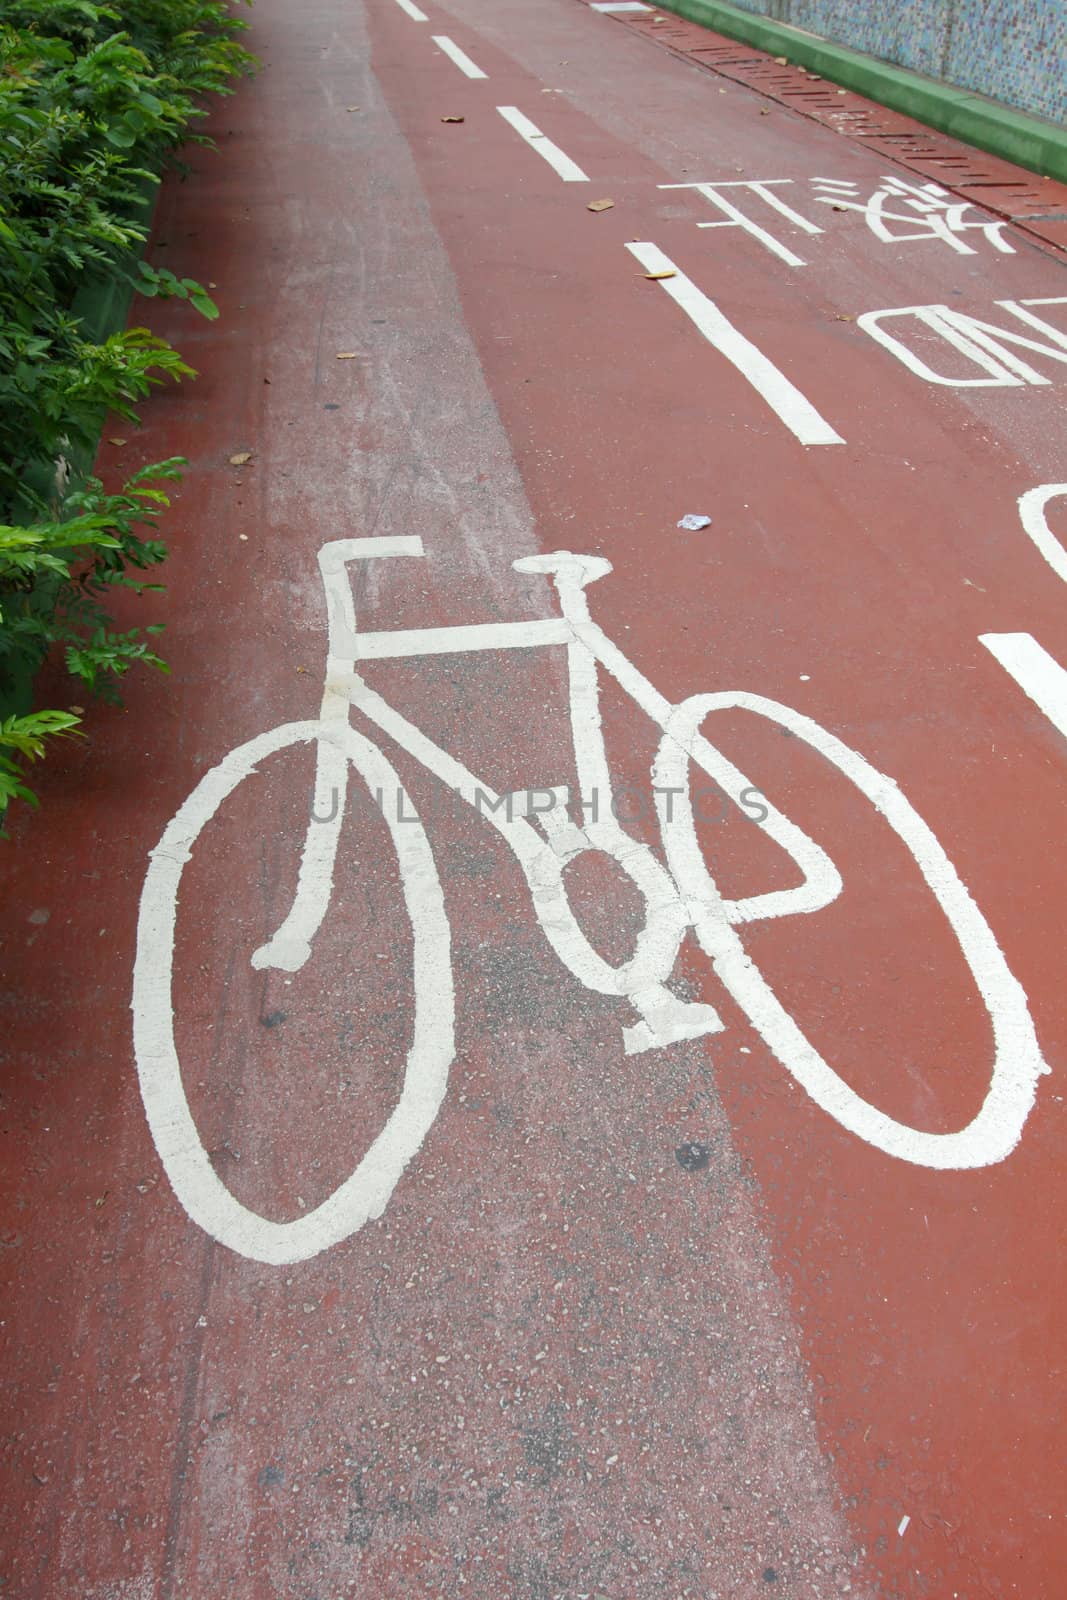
(1013, 50)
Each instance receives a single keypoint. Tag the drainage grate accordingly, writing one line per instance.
(1037, 205)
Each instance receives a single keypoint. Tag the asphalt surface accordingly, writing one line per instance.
(623, 1314)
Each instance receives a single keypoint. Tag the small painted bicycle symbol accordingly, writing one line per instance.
(677, 895)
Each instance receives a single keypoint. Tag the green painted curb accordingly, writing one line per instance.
(1029, 142)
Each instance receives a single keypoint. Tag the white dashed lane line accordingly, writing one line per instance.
(1036, 672)
(460, 57)
(783, 397)
(568, 170)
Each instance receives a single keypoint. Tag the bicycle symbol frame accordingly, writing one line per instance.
(678, 895)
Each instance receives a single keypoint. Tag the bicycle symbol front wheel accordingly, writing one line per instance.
(365, 1193)
(1017, 1063)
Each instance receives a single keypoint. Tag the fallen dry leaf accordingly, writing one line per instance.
(656, 276)
(600, 205)
(781, 61)
(453, 119)
(839, 316)
(240, 458)
(119, 442)
(347, 355)
(765, 112)
(351, 108)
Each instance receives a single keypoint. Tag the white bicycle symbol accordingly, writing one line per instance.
(677, 896)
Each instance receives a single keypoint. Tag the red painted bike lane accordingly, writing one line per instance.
(632, 1324)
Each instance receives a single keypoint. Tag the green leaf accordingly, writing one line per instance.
(121, 136)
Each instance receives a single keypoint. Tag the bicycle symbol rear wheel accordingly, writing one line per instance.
(365, 1193)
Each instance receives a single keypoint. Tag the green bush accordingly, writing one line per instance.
(94, 100)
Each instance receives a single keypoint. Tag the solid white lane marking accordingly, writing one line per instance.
(460, 57)
(620, 5)
(1036, 672)
(783, 397)
(1032, 511)
(412, 10)
(568, 170)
